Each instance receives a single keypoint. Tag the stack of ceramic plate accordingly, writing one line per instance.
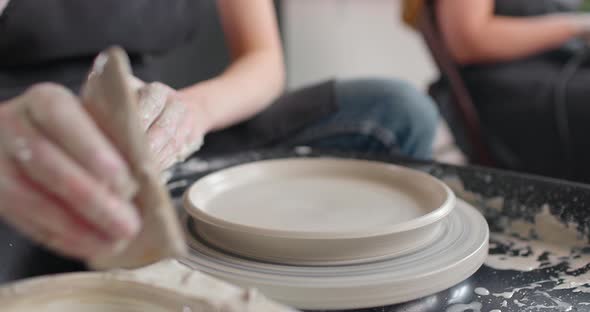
(324, 233)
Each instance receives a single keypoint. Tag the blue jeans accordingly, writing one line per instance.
(377, 116)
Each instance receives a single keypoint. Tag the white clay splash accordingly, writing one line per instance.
(474, 306)
(541, 244)
(559, 305)
(532, 255)
(549, 229)
(481, 291)
(518, 303)
(524, 254)
(551, 304)
(509, 294)
(580, 283)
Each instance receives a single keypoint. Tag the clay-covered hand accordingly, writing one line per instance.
(61, 181)
(173, 129)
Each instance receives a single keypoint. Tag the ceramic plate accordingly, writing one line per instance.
(458, 251)
(319, 211)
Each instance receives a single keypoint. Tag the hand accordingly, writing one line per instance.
(173, 128)
(61, 181)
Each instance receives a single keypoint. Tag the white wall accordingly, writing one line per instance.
(358, 38)
(351, 38)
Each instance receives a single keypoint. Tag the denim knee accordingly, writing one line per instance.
(410, 115)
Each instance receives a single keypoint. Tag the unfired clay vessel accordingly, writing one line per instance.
(162, 287)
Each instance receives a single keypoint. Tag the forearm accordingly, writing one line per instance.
(475, 34)
(255, 77)
(248, 86)
(507, 38)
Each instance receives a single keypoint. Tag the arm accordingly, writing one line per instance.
(474, 34)
(177, 121)
(256, 75)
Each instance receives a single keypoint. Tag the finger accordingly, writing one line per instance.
(57, 118)
(46, 165)
(171, 152)
(185, 143)
(192, 140)
(189, 149)
(44, 219)
(167, 156)
(152, 100)
(82, 248)
(166, 125)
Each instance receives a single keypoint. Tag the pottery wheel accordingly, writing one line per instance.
(456, 254)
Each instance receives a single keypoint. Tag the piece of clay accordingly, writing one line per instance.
(163, 287)
(112, 102)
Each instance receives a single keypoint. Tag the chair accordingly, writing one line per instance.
(421, 15)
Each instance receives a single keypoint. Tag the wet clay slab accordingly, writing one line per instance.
(111, 100)
(327, 211)
(163, 287)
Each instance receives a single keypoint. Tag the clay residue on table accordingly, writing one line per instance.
(530, 244)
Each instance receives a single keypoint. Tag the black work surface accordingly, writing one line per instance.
(523, 197)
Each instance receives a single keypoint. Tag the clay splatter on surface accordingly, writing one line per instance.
(474, 306)
(530, 246)
(481, 291)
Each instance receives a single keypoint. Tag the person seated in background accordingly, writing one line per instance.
(62, 182)
(527, 68)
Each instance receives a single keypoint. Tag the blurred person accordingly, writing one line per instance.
(526, 65)
(62, 182)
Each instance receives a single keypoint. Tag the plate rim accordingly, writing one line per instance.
(472, 259)
(434, 216)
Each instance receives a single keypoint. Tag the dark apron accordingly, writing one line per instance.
(56, 40)
(534, 109)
